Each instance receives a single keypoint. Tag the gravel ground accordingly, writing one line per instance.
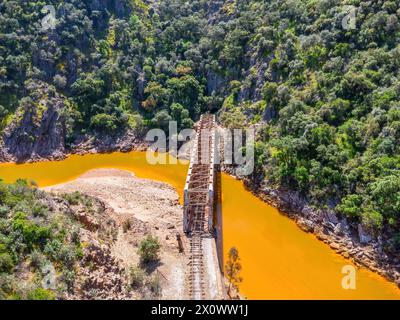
(151, 207)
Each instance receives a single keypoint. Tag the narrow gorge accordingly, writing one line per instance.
(83, 83)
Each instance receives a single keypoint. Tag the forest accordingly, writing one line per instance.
(324, 99)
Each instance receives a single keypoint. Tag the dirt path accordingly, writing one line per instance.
(151, 208)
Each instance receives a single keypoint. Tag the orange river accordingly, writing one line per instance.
(279, 260)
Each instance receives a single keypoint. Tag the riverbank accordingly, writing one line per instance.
(279, 261)
(349, 240)
(346, 239)
(139, 207)
(84, 144)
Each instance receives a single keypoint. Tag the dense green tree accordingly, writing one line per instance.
(329, 96)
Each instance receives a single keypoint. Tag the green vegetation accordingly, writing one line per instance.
(110, 62)
(34, 238)
(41, 294)
(149, 249)
(154, 285)
(137, 277)
(76, 198)
(327, 98)
(145, 281)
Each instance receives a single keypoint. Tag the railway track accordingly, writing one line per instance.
(198, 207)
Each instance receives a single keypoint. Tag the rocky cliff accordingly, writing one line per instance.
(347, 238)
(37, 130)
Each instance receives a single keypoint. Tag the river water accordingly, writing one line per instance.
(279, 260)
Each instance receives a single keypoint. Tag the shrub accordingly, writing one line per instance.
(69, 277)
(104, 122)
(53, 248)
(41, 294)
(37, 259)
(67, 255)
(372, 219)
(126, 225)
(154, 285)
(87, 201)
(32, 233)
(137, 277)
(76, 235)
(4, 193)
(4, 210)
(233, 268)
(6, 263)
(350, 206)
(148, 249)
(161, 120)
(73, 198)
(39, 210)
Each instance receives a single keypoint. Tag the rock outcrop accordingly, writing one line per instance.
(102, 276)
(129, 209)
(37, 130)
(351, 240)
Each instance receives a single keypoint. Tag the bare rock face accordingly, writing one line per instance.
(351, 240)
(215, 82)
(103, 276)
(3, 154)
(124, 142)
(364, 236)
(37, 130)
(305, 225)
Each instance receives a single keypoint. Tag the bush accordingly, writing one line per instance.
(76, 235)
(104, 122)
(73, 198)
(39, 210)
(154, 285)
(126, 225)
(396, 241)
(37, 259)
(32, 233)
(3, 192)
(350, 206)
(67, 255)
(6, 263)
(41, 294)
(372, 219)
(137, 277)
(7, 286)
(4, 210)
(149, 249)
(69, 277)
(52, 249)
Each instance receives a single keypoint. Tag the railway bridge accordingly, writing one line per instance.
(201, 220)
